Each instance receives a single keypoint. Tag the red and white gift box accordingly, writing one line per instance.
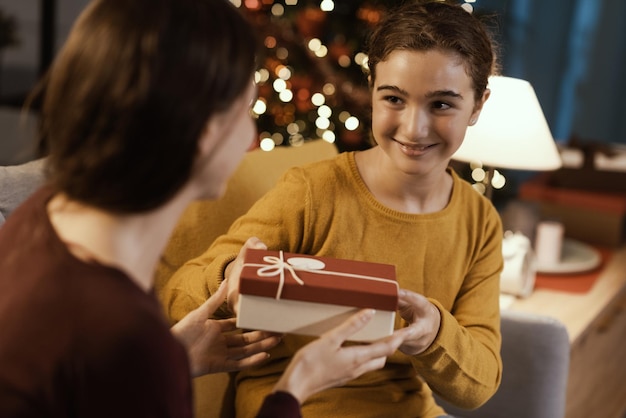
(302, 294)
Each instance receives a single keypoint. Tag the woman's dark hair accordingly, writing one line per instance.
(423, 26)
(129, 95)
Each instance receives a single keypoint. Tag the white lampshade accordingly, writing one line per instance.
(512, 131)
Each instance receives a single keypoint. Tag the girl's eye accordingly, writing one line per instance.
(392, 99)
(441, 105)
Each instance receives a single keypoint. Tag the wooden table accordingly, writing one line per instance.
(596, 322)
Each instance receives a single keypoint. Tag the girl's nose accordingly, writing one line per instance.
(415, 124)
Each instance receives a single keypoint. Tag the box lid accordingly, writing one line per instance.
(283, 275)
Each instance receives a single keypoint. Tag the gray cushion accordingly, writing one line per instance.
(535, 357)
(17, 182)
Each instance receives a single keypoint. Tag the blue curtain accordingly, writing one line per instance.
(573, 52)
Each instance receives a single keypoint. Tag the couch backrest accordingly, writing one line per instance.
(204, 221)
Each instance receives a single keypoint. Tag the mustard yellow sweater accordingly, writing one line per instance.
(453, 257)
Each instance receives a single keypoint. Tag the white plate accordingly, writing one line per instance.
(576, 257)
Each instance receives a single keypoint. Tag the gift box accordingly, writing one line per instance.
(302, 294)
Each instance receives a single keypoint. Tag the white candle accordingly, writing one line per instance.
(549, 242)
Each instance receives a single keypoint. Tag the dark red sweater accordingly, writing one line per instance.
(80, 339)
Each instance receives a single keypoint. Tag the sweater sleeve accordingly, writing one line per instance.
(463, 364)
(279, 404)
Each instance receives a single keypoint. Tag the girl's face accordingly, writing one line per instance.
(422, 103)
(226, 139)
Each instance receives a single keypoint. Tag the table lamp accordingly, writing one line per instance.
(511, 132)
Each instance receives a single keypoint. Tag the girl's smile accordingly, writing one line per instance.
(414, 150)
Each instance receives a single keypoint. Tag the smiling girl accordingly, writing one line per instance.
(397, 203)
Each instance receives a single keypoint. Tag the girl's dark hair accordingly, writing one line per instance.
(427, 25)
(126, 100)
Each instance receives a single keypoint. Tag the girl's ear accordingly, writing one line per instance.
(478, 107)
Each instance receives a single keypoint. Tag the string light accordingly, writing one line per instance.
(278, 138)
(329, 136)
(324, 111)
(260, 106)
(293, 128)
(282, 53)
(314, 44)
(483, 179)
(327, 5)
(498, 181)
(318, 99)
(343, 116)
(285, 95)
(296, 140)
(351, 123)
(321, 52)
(278, 9)
(363, 60)
(279, 85)
(267, 144)
(283, 72)
(344, 61)
(322, 122)
(253, 4)
(261, 76)
(467, 6)
(329, 89)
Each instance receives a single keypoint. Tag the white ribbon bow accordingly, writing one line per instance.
(276, 267)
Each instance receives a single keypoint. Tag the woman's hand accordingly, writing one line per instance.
(422, 316)
(326, 363)
(211, 345)
(233, 271)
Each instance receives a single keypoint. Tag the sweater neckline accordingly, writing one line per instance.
(364, 192)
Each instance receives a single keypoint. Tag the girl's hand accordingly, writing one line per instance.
(233, 271)
(423, 317)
